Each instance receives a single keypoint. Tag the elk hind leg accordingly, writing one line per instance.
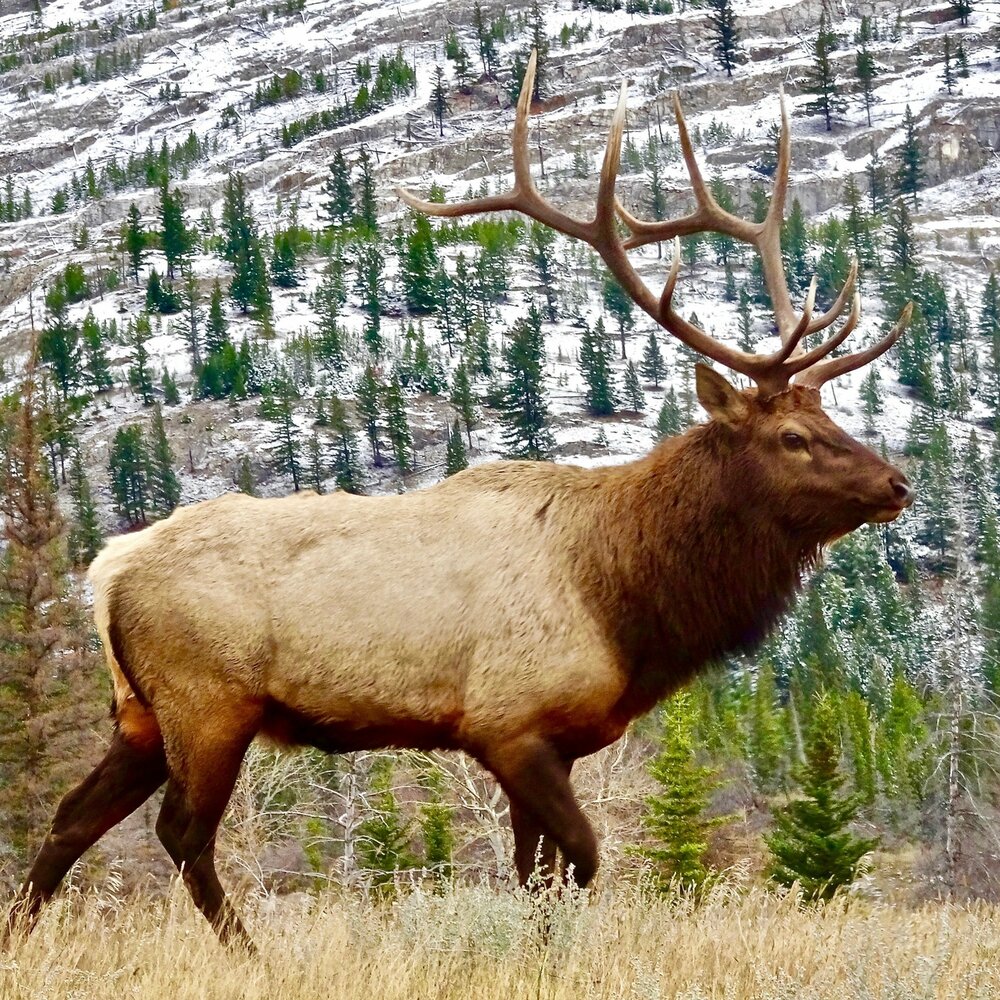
(536, 779)
(201, 782)
(132, 769)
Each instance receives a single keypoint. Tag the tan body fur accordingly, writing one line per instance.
(450, 611)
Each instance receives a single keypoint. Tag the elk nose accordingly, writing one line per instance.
(901, 489)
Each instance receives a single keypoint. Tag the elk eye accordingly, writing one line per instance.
(793, 441)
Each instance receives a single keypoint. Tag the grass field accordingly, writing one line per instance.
(480, 943)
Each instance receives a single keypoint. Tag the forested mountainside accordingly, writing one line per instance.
(202, 249)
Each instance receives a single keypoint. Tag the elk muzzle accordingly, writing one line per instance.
(900, 496)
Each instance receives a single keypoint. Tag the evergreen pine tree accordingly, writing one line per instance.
(937, 507)
(315, 470)
(961, 63)
(327, 301)
(346, 462)
(162, 486)
(446, 312)
(909, 177)
(634, 398)
(175, 239)
(397, 426)
(128, 468)
(439, 98)
(652, 367)
(135, 240)
(171, 394)
(245, 479)
(746, 340)
(866, 70)
(725, 247)
(618, 302)
(796, 248)
(436, 827)
(419, 265)
(871, 398)
(878, 182)
(595, 365)
(217, 327)
(948, 66)
(541, 244)
(463, 400)
(834, 263)
(284, 261)
(338, 208)
(97, 366)
(901, 744)
(485, 39)
(525, 413)
(59, 343)
(368, 396)
(238, 226)
(858, 227)
(765, 736)
(811, 844)
(366, 200)
(822, 77)
(154, 292)
(675, 814)
(85, 538)
(278, 406)
(140, 375)
(249, 288)
(657, 196)
(458, 54)
(901, 260)
(725, 35)
(383, 843)
(369, 287)
(455, 457)
(670, 421)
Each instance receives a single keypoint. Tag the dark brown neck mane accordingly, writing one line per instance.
(690, 560)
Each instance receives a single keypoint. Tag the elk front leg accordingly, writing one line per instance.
(204, 762)
(536, 779)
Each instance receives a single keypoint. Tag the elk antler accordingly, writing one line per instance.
(771, 372)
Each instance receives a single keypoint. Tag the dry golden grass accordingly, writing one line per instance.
(477, 943)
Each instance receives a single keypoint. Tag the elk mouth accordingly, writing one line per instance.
(886, 514)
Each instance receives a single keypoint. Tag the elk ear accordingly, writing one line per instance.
(720, 399)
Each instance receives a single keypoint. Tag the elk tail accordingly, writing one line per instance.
(131, 711)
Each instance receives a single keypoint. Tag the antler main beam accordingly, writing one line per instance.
(771, 372)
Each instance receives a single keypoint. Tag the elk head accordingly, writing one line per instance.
(820, 481)
(815, 473)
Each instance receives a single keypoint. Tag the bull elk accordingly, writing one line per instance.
(521, 612)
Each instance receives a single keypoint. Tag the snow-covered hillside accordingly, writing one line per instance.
(197, 70)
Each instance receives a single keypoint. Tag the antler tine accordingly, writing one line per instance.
(753, 365)
(524, 197)
(701, 193)
(806, 360)
(817, 375)
(606, 200)
(776, 210)
(823, 321)
(789, 344)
